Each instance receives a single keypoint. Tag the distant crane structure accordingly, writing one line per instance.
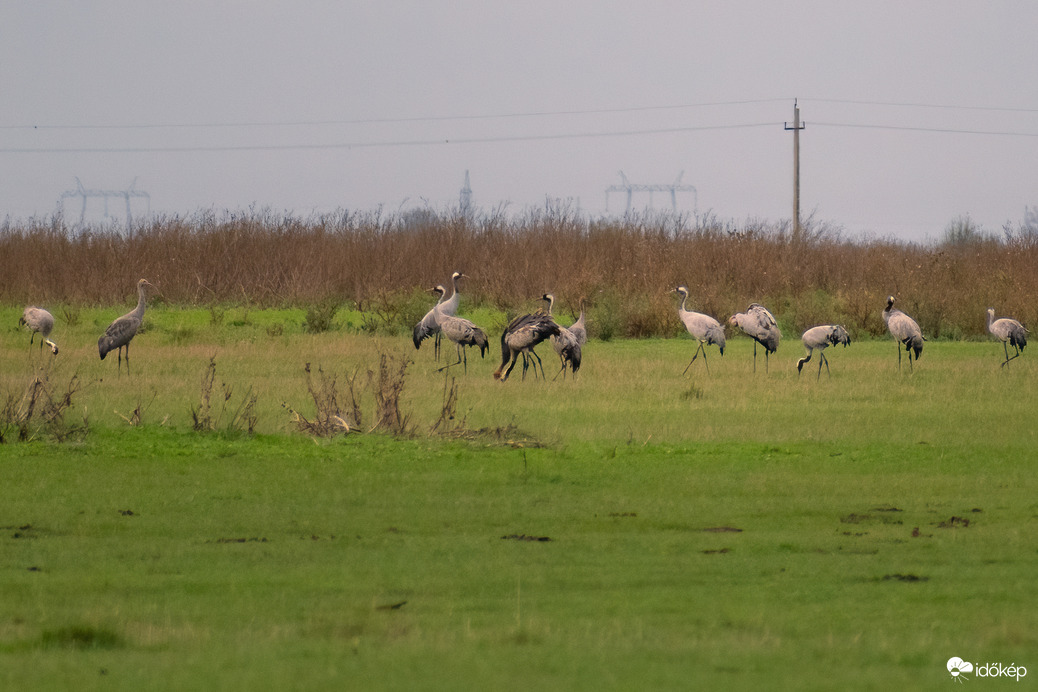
(126, 195)
(628, 188)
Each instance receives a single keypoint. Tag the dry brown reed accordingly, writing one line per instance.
(624, 267)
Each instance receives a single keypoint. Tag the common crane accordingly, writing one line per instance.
(39, 321)
(704, 328)
(819, 338)
(120, 332)
(428, 327)
(463, 333)
(905, 332)
(520, 337)
(565, 343)
(1005, 330)
(759, 324)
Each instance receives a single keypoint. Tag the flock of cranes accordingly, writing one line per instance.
(527, 331)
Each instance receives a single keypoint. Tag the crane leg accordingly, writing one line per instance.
(515, 357)
(694, 356)
(825, 360)
(754, 356)
(538, 362)
(1016, 353)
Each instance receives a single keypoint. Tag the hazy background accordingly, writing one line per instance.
(916, 113)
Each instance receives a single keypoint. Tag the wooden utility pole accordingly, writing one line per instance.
(797, 127)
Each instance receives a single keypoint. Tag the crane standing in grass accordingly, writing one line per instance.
(579, 328)
(1005, 330)
(39, 321)
(463, 333)
(704, 328)
(520, 337)
(759, 324)
(566, 343)
(905, 332)
(428, 326)
(819, 338)
(121, 332)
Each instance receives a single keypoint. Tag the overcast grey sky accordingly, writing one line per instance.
(916, 112)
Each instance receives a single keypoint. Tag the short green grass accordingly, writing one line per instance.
(731, 530)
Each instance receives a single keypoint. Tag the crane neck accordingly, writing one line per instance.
(141, 301)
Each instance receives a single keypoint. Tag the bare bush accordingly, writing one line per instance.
(332, 418)
(41, 411)
(233, 418)
(387, 385)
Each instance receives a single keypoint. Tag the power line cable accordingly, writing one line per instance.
(944, 106)
(377, 121)
(952, 131)
(370, 145)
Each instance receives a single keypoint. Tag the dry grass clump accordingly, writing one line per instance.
(380, 264)
(40, 410)
(339, 412)
(233, 418)
(331, 418)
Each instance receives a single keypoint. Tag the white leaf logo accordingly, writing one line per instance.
(956, 666)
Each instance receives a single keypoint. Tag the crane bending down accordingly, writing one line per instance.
(566, 343)
(905, 332)
(121, 332)
(819, 338)
(704, 328)
(464, 334)
(1005, 330)
(520, 337)
(39, 321)
(759, 324)
(428, 326)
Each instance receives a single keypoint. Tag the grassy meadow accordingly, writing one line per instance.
(629, 528)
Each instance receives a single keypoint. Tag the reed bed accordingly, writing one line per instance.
(382, 263)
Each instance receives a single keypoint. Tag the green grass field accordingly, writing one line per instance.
(629, 528)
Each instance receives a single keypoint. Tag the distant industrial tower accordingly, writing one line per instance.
(673, 188)
(465, 198)
(125, 195)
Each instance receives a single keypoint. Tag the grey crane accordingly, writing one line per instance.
(520, 337)
(450, 306)
(905, 331)
(759, 324)
(565, 343)
(463, 333)
(704, 328)
(39, 321)
(1005, 330)
(121, 332)
(819, 338)
(579, 328)
(428, 326)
